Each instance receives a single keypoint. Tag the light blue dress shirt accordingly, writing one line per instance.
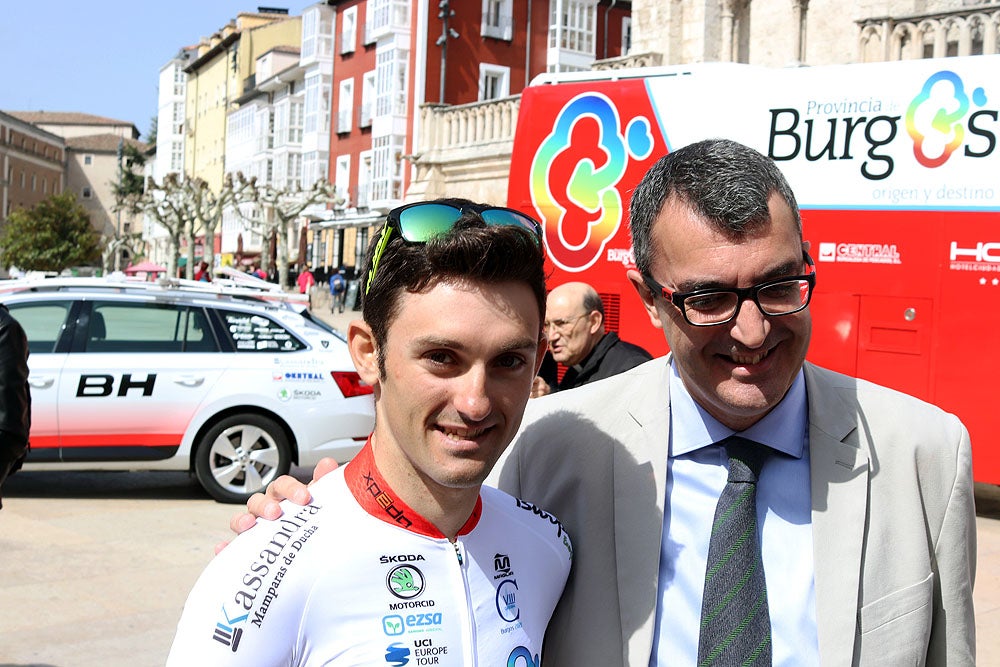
(696, 473)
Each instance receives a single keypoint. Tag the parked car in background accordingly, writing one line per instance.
(235, 384)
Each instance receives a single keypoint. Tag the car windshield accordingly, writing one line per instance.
(320, 324)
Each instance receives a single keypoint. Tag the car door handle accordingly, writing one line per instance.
(40, 382)
(190, 380)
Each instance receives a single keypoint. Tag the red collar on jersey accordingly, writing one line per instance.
(377, 498)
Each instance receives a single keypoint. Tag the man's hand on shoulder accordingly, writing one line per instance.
(266, 505)
(540, 387)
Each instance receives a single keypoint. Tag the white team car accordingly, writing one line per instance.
(233, 383)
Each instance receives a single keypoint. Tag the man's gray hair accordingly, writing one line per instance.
(724, 181)
(592, 301)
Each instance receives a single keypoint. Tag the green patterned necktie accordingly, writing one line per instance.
(735, 626)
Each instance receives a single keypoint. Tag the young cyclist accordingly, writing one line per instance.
(402, 556)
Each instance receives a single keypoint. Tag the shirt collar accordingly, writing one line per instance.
(377, 498)
(691, 427)
(596, 354)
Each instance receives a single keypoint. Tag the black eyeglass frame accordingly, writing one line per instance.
(677, 299)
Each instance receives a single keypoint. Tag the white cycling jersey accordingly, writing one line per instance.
(358, 578)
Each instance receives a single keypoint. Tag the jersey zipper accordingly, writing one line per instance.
(469, 622)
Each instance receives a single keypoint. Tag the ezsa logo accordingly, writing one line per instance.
(575, 173)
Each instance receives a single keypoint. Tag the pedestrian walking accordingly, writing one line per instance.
(338, 291)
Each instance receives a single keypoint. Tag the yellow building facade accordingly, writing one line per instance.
(222, 72)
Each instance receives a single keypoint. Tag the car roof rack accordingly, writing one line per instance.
(239, 286)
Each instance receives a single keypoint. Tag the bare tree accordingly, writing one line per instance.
(276, 210)
(189, 207)
(208, 207)
(165, 204)
(127, 190)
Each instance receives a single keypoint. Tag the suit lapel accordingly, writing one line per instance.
(839, 470)
(640, 477)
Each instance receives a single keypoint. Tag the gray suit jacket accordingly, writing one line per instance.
(892, 513)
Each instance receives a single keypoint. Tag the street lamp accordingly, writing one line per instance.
(118, 220)
(445, 14)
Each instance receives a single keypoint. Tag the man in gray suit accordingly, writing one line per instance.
(864, 504)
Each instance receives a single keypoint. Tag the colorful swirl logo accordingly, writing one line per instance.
(574, 175)
(934, 117)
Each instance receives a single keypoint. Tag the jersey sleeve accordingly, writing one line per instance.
(246, 607)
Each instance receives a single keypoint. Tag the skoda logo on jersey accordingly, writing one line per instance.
(507, 600)
(405, 582)
(396, 654)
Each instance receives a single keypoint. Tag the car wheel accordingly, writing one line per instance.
(240, 456)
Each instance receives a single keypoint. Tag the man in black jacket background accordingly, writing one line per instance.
(15, 397)
(575, 328)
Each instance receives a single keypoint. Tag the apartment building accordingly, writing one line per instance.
(32, 164)
(170, 112)
(170, 139)
(223, 71)
(393, 59)
(93, 158)
(278, 132)
(264, 142)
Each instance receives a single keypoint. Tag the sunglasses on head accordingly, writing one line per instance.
(421, 221)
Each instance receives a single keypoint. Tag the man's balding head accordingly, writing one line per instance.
(574, 322)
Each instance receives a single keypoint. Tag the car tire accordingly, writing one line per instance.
(240, 456)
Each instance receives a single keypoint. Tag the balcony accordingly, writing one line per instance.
(469, 126)
(365, 115)
(364, 195)
(343, 121)
(347, 39)
(497, 27)
(464, 150)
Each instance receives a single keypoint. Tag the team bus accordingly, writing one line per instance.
(895, 167)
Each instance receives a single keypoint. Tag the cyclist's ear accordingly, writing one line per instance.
(364, 351)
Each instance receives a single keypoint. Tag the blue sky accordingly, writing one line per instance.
(102, 57)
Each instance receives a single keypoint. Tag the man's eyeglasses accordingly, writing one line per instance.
(708, 307)
(562, 325)
(421, 221)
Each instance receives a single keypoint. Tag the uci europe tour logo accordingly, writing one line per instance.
(575, 173)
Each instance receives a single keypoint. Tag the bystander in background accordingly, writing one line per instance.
(575, 328)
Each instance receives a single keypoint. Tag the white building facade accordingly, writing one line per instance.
(170, 134)
(279, 133)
